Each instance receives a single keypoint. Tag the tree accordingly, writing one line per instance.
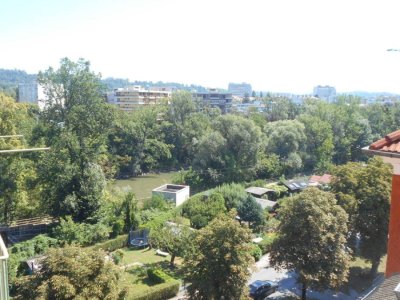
(365, 191)
(19, 194)
(75, 122)
(201, 209)
(219, 265)
(233, 194)
(176, 239)
(311, 240)
(319, 145)
(72, 273)
(250, 211)
(286, 139)
(229, 152)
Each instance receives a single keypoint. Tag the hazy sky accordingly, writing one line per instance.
(276, 45)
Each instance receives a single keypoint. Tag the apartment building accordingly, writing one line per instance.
(216, 99)
(240, 89)
(131, 98)
(326, 92)
(28, 92)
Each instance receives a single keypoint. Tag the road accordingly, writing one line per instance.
(287, 283)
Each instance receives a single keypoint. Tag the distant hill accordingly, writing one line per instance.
(364, 94)
(9, 80)
(114, 83)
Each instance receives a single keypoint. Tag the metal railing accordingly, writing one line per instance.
(3, 271)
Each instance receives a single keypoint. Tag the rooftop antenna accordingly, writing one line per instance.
(23, 149)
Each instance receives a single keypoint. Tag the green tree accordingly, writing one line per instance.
(201, 209)
(250, 211)
(364, 191)
(219, 265)
(176, 239)
(72, 273)
(19, 193)
(286, 139)
(73, 182)
(319, 144)
(311, 240)
(229, 152)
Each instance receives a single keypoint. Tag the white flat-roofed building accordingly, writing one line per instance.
(131, 98)
(28, 92)
(327, 93)
(174, 193)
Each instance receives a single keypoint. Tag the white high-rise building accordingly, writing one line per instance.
(28, 92)
(326, 92)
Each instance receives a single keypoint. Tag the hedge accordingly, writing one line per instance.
(158, 276)
(160, 291)
(119, 242)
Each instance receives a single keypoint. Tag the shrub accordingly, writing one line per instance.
(157, 276)
(156, 202)
(118, 227)
(256, 252)
(20, 252)
(81, 233)
(160, 291)
(113, 244)
(117, 256)
(265, 244)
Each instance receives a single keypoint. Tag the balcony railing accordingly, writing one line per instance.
(3, 271)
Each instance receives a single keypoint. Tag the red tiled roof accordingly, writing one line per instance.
(390, 143)
(326, 178)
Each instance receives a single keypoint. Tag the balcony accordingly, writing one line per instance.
(3, 271)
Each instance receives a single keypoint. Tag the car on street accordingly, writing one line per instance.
(261, 289)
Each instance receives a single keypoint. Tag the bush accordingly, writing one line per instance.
(118, 227)
(156, 202)
(157, 276)
(81, 233)
(265, 244)
(117, 256)
(160, 291)
(256, 252)
(113, 244)
(20, 252)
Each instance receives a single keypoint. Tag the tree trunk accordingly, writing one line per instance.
(374, 267)
(172, 259)
(304, 292)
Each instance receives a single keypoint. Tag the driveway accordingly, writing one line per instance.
(288, 286)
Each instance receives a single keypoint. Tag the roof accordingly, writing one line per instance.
(385, 290)
(390, 143)
(265, 203)
(295, 185)
(259, 191)
(326, 178)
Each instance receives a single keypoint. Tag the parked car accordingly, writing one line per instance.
(260, 289)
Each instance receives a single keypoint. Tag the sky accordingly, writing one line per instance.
(275, 45)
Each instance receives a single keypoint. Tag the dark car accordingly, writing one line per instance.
(261, 289)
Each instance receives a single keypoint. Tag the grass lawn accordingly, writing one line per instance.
(144, 256)
(134, 278)
(142, 186)
(359, 278)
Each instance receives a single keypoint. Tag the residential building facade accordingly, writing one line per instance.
(132, 98)
(28, 92)
(216, 99)
(240, 89)
(326, 92)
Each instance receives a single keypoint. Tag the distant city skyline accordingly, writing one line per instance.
(279, 46)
